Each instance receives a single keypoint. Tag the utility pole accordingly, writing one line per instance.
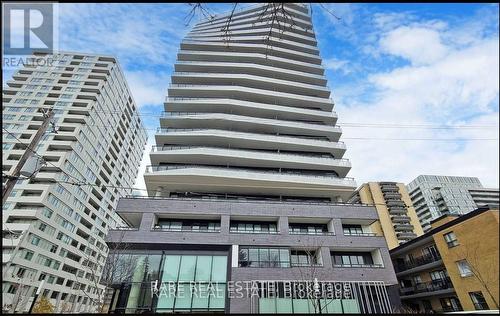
(11, 181)
(38, 291)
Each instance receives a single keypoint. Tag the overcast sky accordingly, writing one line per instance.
(431, 65)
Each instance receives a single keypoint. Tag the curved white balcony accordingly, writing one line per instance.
(250, 68)
(249, 94)
(189, 178)
(300, 19)
(225, 138)
(298, 40)
(221, 46)
(292, 32)
(250, 81)
(243, 157)
(251, 10)
(247, 124)
(256, 36)
(249, 109)
(15, 227)
(259, 58)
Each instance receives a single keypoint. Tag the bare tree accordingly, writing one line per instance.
(118, 267)
(486, 274)
(309, 273)
(275, 15)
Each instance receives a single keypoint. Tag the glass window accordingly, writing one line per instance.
(218, 298)
(352, 259)
(183, 299)
(186, 271)
(219, 268)
(200, 300)
(253, 227)
(478, 300)
(203, 268)
(352, 230)
(206, 294)
(464, 268)
(264, 257)
(451, 239)
(171, 268)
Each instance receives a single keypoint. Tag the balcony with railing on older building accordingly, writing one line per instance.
(400, 219)
(397, 210)
(417, 263)
(428, 288)
(403, 227)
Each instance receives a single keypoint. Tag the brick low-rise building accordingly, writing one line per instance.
(452, 267)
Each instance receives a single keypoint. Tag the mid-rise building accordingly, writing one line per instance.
(433, 196)
(452, 267)
(246, 185)
(54, 223)
(398, 221)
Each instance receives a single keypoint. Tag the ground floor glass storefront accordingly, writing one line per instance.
(184, 283)
(188, 281)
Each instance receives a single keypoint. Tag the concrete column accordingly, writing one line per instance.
(147, 221)
(337, 226)
(331, 227)
(325, 256)
(224, 224)
(283, 225)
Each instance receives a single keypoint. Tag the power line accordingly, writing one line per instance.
(346, 124)
(79, 182)
(426, 139)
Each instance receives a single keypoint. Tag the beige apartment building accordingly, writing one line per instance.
(398, 220)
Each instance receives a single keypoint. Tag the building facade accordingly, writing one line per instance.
(53, 230)
(433, 196)
(246, 185)
(398, 222)
(250, 115)
(452, 267)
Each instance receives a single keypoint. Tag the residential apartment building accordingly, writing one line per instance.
(452, 267)
(246, 185)
(54, 224)
(398, 221)
(434, 196)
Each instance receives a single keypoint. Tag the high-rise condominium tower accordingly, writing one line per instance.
(247, 175)
(249, 115)
(434, 196)
(54, 230)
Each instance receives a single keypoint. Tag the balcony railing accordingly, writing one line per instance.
(204, 74)
(341, 161)
(403, 227)
(360, 234)
(400, 219)
(150, 169)
(241, 231)
(291, 232)
(166, 130)
(177, 113)
(187, 229)
(432, 286)
(125, 228)
(246, 200)
(373, 265)
(398, 211)
(418, 261)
